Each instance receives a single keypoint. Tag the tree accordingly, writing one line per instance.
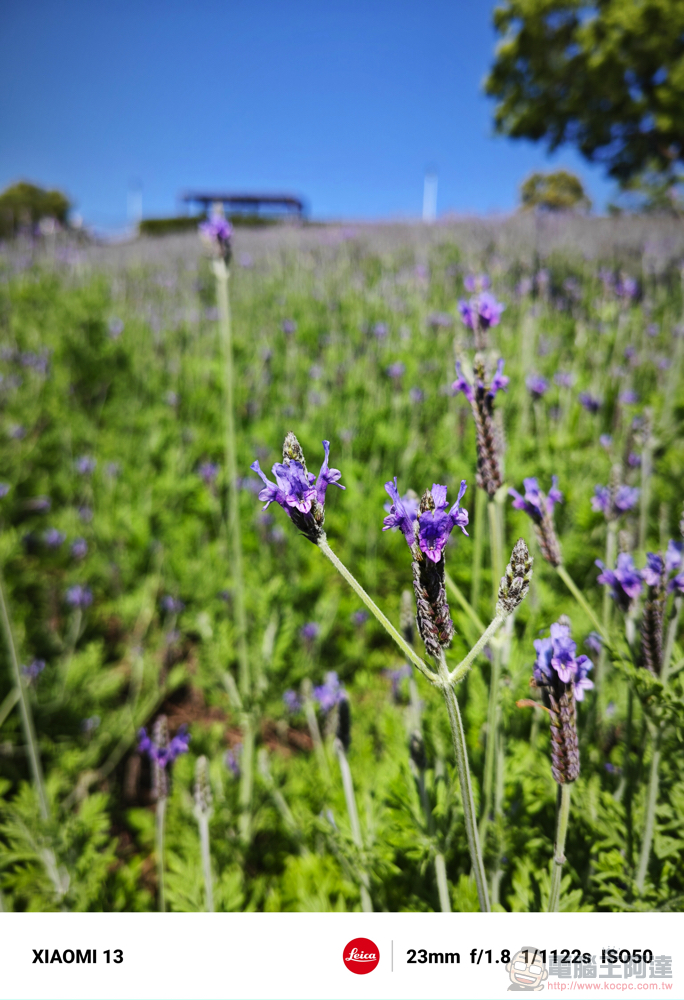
(26, 204)
(606, 76)
(559, 191)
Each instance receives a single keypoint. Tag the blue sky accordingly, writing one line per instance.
(345, 103)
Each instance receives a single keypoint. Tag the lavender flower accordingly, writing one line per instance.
(39, 504)
(53, 538)
(329, 693)
(614, 501)
(606, 441)
(216, 233)
(396, 677)
(4, 489)
(292, 701)
(536, 386)
(476, 283)
(633, 460)
(297, 491)
(565, 380)
(360, 617)
(232, 759)
(172, 605)
(540, 508)
(594, 643)
(85, 465)
(440, 320)
(627, 288)
(162, 752)
(79, 597)
(481, 396)
(208, 472)
(310, 631)
(479, 313)
(629, 397)
(33, 671)
(396, 370)
(288, 326)
(416, 395)
(592, 404)
(563, 679)
(625, 580)
(380, 331)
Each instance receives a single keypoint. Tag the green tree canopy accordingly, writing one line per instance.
(25, 204)
(559, 191)
(606, 76)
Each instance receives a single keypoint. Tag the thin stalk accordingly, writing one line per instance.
(646, 478)
(478, 544)
(314, 729)
(563, 816)
(372, 606)
(246, 778)
(496, 543)
(579, 597)
(8, 704)
(203, 823)
(160, 819)
(459, 672)
(649, 826)
(348, 785)
(24, 705)
(611, 545)
(490, 746)
(221, 274)
(461, 598)
(498, 811)
(247, 766)
(468, 803)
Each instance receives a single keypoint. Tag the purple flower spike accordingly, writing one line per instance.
(536, 386)
(33, 671)
(625, 580)
(557, 663)
(53, 538)
(85, 465)
(327, 477)
(329, 693)
(500, 381)
(534, 503)
(592, 404)
(436, 525)
(79, 597)
(594, 643)
(489, 309)
(208, 471)
(310, 631)
(79, 548)
(232, 759)
(292, 701)
(462, 384)
(216, 232)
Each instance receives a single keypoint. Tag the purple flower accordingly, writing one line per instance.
(4, 489)
(627, 288)
(85, 465)
(536, 385)
(172, 605)
(329, 693)
(396, 677)
(633, 460)
(625, 580)
(288, 326)
(53, 538)
(628, 397)
(624, 499)
(85, 513)
(482, 310)
(476, 283)
(79, 597)
(440, 320)
(310, 631)
(499, 382)
(534, 503)
(292, 701)
(162, 756)
(434, 526)
(396, 370)
(380, 331)
(216, 232)
(232, 759)
(208, 471)
(606, 441)
(594, 643)
(33, 671)
(556, 659)
(295, 489)
(416, 395)
(592, 404)
(360, 617)
(39, 504)
(565, 380)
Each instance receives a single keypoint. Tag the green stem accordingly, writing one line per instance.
(491, 744)
(563, 816)
(246, 779)
(459, 672)
(8, 704)
(160, 819)
(478, 542)
(496, 543)
(440, 863)
(348, 785)
(221, 274)
(372, 606)
(579, 597)
(25, 708)
(646, 476)
(467, 801)
(461, 598)
(611, 545)
(649, 825)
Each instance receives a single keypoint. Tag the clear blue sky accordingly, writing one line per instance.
(346, 103)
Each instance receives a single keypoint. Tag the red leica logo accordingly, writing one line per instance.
(361, 956)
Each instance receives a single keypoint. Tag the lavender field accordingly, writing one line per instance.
(237, 686)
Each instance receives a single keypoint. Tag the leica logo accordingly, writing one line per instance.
(361, 956)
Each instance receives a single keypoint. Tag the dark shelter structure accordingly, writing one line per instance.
(248, 204)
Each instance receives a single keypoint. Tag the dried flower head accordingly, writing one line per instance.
(481, 395)
(515, 584)
(202, 790)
